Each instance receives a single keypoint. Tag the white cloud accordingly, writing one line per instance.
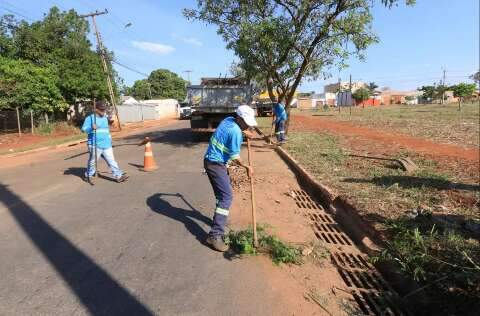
(192, 41)
(154, 47)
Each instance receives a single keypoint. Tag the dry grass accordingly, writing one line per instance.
(441, 197)
(440, 123)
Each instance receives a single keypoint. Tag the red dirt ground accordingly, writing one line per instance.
(14, 141)
(418, 145)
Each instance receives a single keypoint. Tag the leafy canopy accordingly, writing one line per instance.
(463, 89)
(58, 43)
(287, 41)
(26, 85)
(428, 92)
(361, 94)
(162, 83)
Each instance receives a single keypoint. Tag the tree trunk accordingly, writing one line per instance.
(46, 117)
(459, 103)
(270, 90)
(288, 100)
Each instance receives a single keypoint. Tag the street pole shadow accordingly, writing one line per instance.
(185, 216)
(99, 292)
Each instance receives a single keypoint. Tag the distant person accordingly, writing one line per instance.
(224, 148)
(280, 118)
(97, 124)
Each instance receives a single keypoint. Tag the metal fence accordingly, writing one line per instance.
(18, 121)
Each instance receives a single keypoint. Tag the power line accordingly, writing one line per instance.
(18, 13)
(17, 8)
(129, 68)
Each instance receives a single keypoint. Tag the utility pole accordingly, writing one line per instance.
(350, 88)
(339, 94)
(188, 75)
(101, 49)
(443, 87)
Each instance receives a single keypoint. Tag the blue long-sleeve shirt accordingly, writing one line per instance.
(280, 113)
(104, 139)
(225, 143)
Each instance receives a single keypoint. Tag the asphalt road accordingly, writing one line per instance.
(135, 248)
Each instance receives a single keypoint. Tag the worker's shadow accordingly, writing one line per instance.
(188, 217)
(80, 172)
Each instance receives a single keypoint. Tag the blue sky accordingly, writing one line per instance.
(416, 43)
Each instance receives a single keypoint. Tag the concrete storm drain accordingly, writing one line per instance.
(367, 287)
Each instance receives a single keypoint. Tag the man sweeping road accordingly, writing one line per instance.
(224, 148)
(100, 143)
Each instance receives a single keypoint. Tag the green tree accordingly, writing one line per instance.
(372, 86)
(476, 77)
(60, 41)
(291, 40)
(361, 95)
(462, 91)
(7, 25)
(428, 92)
(29, 86)
(167, 85)
(440, 92)
(141, 90)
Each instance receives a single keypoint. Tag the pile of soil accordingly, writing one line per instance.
(240, 180)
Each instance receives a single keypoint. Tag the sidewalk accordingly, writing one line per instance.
(274, 186)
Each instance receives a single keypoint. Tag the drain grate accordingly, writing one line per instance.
(367, 287)
(303, 200)
(350, 261)
(331, 234)
(374, 303)
(321, 217)
(368, 280)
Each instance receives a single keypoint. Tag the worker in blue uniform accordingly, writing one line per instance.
(96, 125)
(223, 150)
(280, 119)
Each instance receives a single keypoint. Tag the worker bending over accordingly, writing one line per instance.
(224, 148)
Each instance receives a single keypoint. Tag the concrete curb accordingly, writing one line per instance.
(363, 234)
(345, 213)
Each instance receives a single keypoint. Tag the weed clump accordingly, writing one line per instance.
(242, 243)
(445, 261)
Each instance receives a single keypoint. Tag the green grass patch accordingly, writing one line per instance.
(242, 243)
(443, 260)
(45, 128)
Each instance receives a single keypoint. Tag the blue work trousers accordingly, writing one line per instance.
(222, 188)
(280, 130)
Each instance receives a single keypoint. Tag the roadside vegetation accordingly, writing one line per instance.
(241, 242)
(429, 219)
(439, 123)
(46, 134)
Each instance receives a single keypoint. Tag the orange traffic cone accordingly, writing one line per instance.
(148, 161)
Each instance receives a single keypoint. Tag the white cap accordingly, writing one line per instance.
(247, 114)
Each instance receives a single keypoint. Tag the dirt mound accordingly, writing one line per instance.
(240, 180)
